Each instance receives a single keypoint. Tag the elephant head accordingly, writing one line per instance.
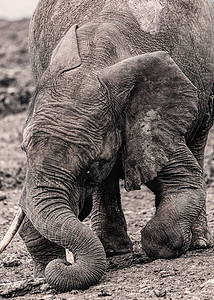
(80, 120)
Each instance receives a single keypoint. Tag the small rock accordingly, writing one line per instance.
(164, 274)
(10, 262)
(104, 293)
(207, 283)
(12, 90)
(132, 296)
(160, 292)
(2, 196)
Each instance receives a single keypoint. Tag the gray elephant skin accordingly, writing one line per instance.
(124, 90)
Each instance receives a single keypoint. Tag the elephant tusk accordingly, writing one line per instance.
(12, 230)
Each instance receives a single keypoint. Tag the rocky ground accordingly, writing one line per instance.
(15, 78)
(128, 277)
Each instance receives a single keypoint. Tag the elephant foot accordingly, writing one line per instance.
(166, 235)
(161, 241)
(116, 248)
(201, 239)
(201, 243)
(201, 236)
(116, 242)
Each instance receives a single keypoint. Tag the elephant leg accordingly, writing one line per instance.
(107, 218)
(201, 237)
(180, 197)
(41, 250)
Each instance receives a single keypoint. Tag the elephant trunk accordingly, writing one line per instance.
(54, 218)
(89, 255)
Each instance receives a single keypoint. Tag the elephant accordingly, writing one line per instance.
(124, 90)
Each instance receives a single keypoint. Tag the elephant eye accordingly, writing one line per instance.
(92, 174)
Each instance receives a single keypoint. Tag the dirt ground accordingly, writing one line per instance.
(128, 277)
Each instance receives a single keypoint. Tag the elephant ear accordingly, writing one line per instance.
(161, 105)
(66, 56)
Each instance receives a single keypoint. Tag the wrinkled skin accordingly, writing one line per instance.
(125, 95)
